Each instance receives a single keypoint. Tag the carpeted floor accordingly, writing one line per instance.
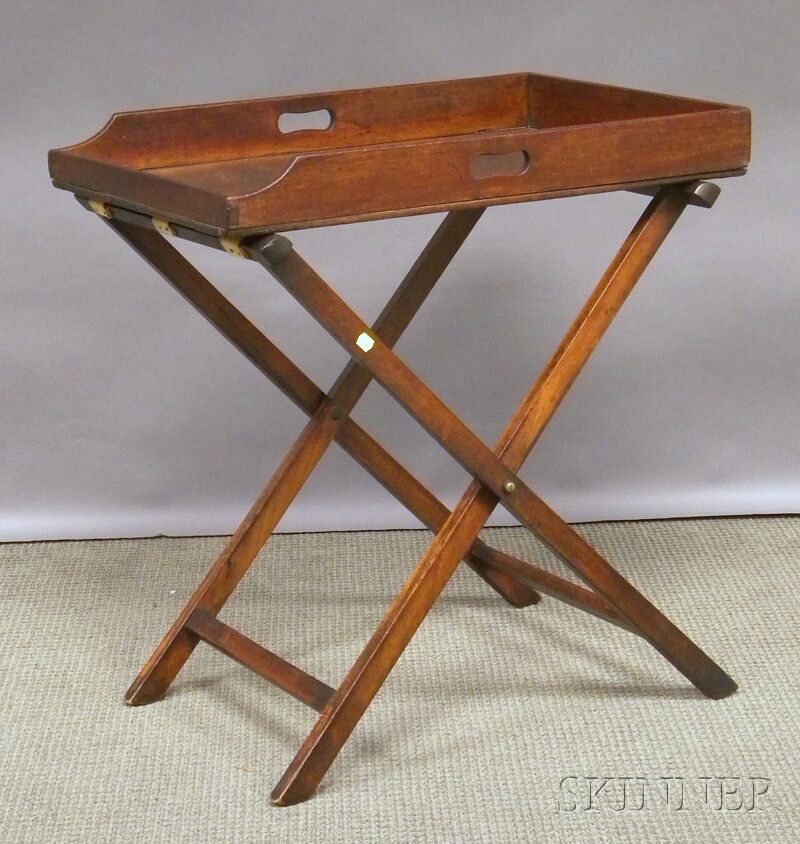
(490, 729)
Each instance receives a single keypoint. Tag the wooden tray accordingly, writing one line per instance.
(393, 151)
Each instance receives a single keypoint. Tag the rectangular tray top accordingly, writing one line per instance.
(383, 152)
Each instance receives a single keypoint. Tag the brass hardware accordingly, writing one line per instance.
(163, 227)
(509, 486)
(100, 208)
(364, 341)
(233, 246)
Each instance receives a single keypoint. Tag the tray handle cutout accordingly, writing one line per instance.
(319, 120)
(487, 164)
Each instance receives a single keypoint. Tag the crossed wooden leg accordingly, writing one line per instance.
(610, 597)
(328, 418)
(495, 480)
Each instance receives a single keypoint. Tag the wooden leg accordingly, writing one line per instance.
(495, 474)
(355, 336)
(179, 643)
(497, 479)
(367, 675)
(653, 625)
(551, 584)
(273, 363)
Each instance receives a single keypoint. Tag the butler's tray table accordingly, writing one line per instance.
(233, 175)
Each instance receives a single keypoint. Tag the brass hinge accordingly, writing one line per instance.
(163, 227)
(233, 246)
(100, 208)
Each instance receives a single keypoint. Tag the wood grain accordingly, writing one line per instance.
(300, 685)
(329, 416)
(459, 532)
(398, 150)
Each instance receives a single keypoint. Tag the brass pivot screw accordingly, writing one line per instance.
(337, 414)
(509, 486)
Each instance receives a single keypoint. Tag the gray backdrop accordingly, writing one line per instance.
(123, 413)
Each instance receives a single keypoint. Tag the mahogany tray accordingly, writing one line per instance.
(393, 151)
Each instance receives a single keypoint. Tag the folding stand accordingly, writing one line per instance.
(494, 470)
(127, 201)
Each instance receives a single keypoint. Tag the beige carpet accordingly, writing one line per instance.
(488, 730)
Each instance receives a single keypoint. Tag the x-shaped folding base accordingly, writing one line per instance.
(494, 471)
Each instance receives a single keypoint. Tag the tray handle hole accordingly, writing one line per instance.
(487, 164)
(302, 121)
